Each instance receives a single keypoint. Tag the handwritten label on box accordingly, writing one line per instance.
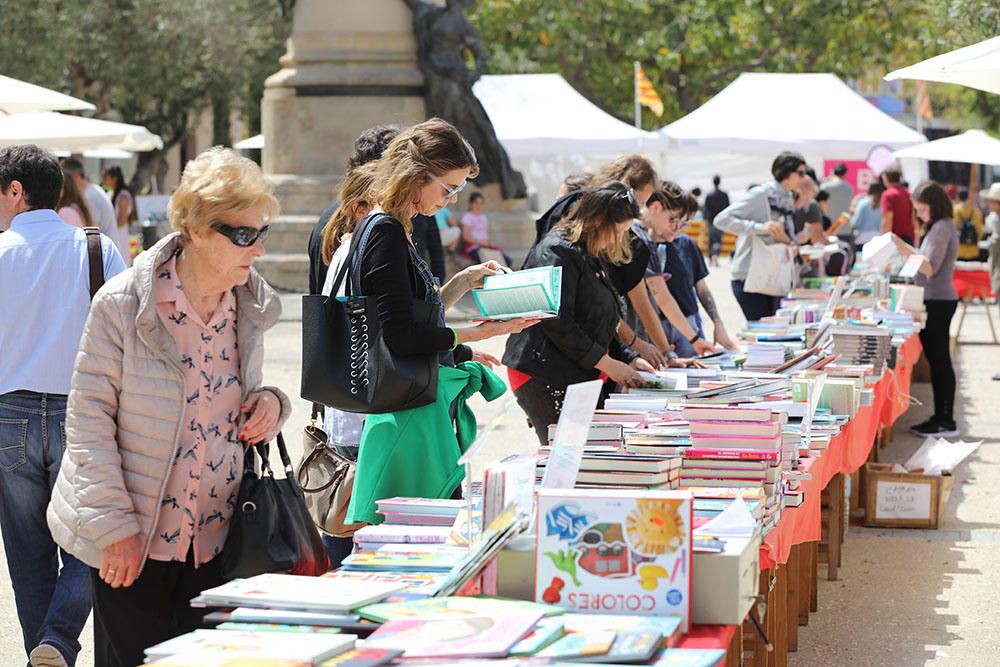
(902, 500)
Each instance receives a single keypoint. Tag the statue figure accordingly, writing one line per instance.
(445, 38)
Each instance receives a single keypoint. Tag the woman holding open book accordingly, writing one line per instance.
(577, 346)
(421, 171)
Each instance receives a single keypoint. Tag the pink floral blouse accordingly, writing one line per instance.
(201, 490)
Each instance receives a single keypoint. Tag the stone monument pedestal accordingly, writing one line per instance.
(350, 65)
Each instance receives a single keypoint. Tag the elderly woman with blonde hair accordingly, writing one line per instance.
(165, 392)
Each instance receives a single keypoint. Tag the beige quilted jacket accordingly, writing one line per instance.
(126, 408)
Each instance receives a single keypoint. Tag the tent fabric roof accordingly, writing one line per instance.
(18, 96)
(57, 131)
(541, 114)
(976, 66)
(973, 146)
(768, 113)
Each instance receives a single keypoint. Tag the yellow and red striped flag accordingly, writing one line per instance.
(924, 101)
(645, 93)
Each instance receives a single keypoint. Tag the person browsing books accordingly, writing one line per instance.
(684, 271)
(577, 346)
(938, 249)
(423, 169)
(167, 389)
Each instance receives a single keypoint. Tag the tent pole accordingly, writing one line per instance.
(635, 95)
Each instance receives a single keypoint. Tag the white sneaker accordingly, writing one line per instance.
(47, 655)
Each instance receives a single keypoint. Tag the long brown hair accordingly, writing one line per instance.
(433, 147)
(632, 170)
(596, 214)
(71, 196)
(355, 197)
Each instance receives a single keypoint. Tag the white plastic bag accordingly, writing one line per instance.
(772, 269)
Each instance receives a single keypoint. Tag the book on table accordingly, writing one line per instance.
(532, 293)
(454, 635)
(461, 605)
(294, 592)
(301, 647)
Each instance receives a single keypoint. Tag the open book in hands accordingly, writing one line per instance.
(531, 293)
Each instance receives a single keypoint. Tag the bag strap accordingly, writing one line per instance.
(356, 248)
(95, 259)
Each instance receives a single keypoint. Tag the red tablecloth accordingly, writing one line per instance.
(709, 637)
(972, 283)
(847, 452)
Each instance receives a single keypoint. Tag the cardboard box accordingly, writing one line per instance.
(904, 500)
(724, 585)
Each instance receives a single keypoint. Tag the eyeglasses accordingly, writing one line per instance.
(449, 191)
(244, 237)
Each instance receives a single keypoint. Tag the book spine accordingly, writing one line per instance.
(738, 454)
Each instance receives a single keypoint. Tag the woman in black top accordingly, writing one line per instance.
(421, 171)
(577, 346)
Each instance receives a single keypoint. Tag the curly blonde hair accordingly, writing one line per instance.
(431, 148)
(215, 186)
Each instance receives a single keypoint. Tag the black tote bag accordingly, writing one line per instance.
(346, 363)
(270, 531)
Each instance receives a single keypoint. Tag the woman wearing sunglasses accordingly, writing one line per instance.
(765, 211)
(414, 452)
(166, 391)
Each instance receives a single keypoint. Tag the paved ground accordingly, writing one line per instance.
(904, 597)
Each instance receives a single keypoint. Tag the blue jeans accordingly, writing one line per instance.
(682, 347)
(52, 604)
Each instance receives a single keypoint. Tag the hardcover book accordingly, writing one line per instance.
(454, 636)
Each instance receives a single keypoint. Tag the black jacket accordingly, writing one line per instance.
(563, 351)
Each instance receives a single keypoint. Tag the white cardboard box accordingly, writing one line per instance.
(724, 585)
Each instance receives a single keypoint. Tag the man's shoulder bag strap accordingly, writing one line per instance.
(96, 259)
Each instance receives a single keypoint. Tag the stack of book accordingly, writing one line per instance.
(669, 438)
(419, 511)
(735, 448)
(765, 356)
(861, 344)
(602, 437)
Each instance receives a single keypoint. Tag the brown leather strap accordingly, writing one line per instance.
(96, 259)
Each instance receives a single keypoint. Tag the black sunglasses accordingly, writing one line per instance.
(244, 237)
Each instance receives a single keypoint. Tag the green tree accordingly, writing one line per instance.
(691, 49)
(156, 63)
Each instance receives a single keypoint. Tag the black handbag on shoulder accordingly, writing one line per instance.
(346, 363)
(271, 530)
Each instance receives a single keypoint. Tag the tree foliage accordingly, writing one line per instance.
(691, 49)
(156, 63)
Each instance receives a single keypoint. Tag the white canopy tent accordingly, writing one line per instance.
(18, 96)
(973, 146)
(549, 130)
(256, 141)
(62, 132)
(738, 132)
(975, 66)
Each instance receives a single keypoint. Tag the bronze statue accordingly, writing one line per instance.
(445, 38)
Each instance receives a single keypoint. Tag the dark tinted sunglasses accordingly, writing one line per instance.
(244, 237)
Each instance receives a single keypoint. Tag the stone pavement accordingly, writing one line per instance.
(903, 598)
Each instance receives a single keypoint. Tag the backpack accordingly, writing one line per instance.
(967, 234)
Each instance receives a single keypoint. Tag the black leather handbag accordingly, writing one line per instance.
(271, 530)
(346, 363)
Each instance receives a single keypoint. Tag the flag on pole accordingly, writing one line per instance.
(645, 93)
(924, 101)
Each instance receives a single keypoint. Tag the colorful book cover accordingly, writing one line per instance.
(277, 627)
(629, 647)
(420, 561)
(424, 583)
(454, 636)
(465, 605)
(545, 632)
(364, 657)
(208, 659)
(300, 647)
(580, 646)
(615, 551)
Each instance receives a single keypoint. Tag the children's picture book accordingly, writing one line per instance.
(544, 633)
(277, 627)
(364, 657)
(404, 505)
(402, 561)
(534, 293)
(294, 646)
(210, 659)
(629, 647)
(423, 583)
(596, 644)
(465, 605)
(286, 591)
(454, 636)
(615, 551)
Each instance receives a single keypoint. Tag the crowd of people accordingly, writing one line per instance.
(127, 395)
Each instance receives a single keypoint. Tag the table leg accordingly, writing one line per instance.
(961, 320)
(807, 568)
(794, 584)
(835, 528)
(989, 319)
(814, 577)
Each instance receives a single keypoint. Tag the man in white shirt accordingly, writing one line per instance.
(102, 211)
(44, 270)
